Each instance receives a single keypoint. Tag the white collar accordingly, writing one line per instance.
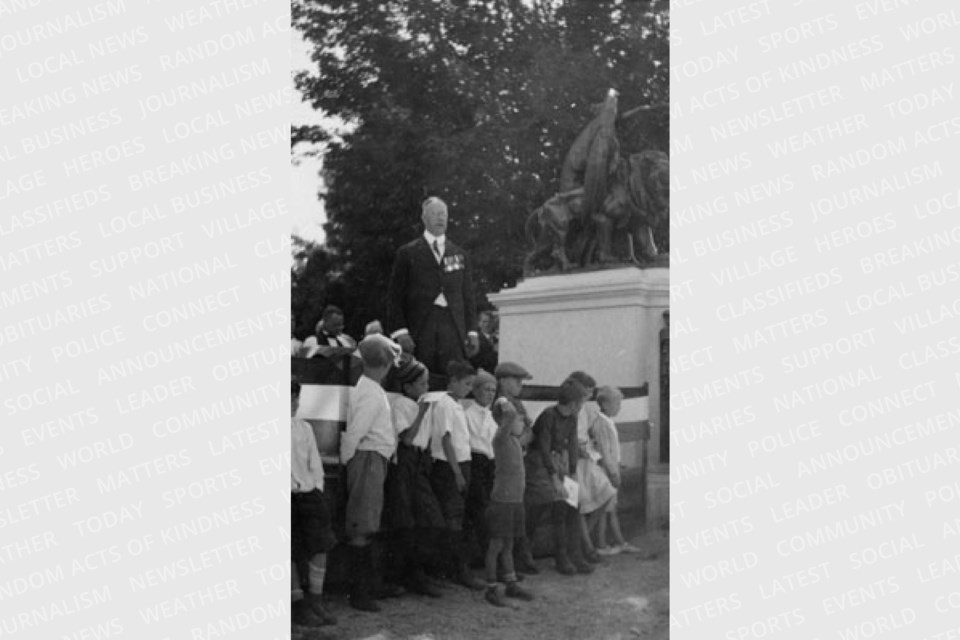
(441, 240)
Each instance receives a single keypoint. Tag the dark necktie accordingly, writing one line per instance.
(436, 250)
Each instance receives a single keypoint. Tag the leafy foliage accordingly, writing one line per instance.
(475, 101)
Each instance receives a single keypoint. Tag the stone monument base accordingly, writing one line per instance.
(607, 323)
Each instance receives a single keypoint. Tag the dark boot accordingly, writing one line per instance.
(301, 615)
(419, 583)
(514, 590)
(316, 605)
(396, 557)
(466, 578)
(381, 563)
(492, 596)
(463, 575)
(560, 543)
(414, 577)
(383, 590)
(450, 566)
(430, 549)
(362, 579)
(456, 566)
(582, 567)
(574, 541)
(523, 559)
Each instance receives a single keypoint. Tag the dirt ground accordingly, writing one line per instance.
(626, 598)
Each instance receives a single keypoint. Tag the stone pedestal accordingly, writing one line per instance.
(605, 322)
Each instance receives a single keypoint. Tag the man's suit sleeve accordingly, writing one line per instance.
(399, 281)
(469, 302)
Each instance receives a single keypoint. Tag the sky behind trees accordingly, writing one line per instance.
(306, 208)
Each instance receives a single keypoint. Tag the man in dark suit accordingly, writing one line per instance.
(431, 311)
(329, 338)
(486, 357)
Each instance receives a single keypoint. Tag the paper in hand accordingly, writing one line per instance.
(573, 491)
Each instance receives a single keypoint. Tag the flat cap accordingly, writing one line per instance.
(511, 370)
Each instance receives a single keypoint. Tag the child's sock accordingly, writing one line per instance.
(318, 571)
(490, 564)
(296, 591)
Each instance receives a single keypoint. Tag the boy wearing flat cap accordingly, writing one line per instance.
(510, 378)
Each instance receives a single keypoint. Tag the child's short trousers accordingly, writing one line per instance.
(310, 530)
(366, 474)
(506, 519)
(444, 486)
(409, 500)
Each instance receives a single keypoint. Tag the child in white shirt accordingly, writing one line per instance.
(311, 535)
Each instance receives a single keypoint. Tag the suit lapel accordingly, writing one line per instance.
(424, 252)
(428, 253)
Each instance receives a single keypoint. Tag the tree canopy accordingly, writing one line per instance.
(474, 101)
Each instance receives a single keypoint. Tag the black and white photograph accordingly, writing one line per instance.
(483, 246)
(599, 320)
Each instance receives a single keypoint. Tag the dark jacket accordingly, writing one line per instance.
(416, 281)
(487, 357)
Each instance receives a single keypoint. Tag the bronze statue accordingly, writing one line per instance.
(593, 157)
(546, 230)
(606, 206)
(638, 200)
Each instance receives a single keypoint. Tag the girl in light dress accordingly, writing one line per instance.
(606, 441)
(595, 490)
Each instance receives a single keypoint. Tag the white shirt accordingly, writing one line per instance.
(481, 426)
(430, 430)
(339, 340)
(369, 425)
(446, 415)
(306, 467)
(405, 411)
(440, 300)
(441, 243)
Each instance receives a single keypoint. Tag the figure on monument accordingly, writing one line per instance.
(606, 206)
(590, 163)
(638, 200)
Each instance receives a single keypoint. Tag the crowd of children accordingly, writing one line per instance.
(454, 477)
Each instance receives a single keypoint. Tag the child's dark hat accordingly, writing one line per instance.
(511, 370)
